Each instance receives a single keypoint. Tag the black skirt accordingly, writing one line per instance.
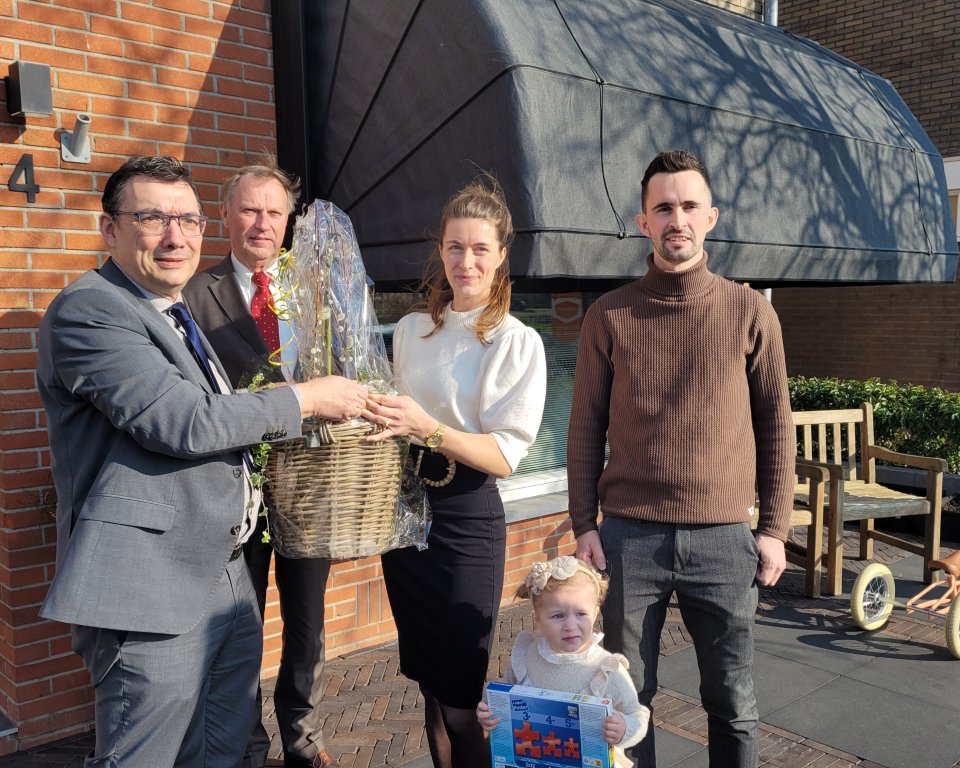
(446, 598)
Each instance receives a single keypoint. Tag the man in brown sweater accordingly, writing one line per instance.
(682, 372)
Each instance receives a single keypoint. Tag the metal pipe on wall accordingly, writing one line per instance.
(770, 12)
(769, 17)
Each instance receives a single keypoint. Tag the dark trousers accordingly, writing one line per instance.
(711, 570)
(302, 584)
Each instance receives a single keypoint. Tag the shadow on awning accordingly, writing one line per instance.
(820, 171)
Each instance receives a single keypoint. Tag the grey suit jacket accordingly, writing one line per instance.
(145, 460)
(220, 309)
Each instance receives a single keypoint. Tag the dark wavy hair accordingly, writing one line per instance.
(158, 168)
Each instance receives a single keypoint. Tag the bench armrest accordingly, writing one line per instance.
(907, 459)
(812, 470)
(834, 471)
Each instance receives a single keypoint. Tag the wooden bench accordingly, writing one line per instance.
(808, 512)
(829, 438)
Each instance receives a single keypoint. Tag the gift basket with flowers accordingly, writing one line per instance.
(331, 493)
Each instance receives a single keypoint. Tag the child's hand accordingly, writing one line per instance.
(486, 718)
(614, 726)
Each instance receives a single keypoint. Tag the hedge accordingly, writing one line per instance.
(918, 420)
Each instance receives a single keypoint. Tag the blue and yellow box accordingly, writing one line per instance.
(539, 728)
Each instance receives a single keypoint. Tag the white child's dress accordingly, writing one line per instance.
(595, 672)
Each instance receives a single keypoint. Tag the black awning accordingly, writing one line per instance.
(820, 171)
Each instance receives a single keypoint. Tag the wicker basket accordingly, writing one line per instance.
(338, 499)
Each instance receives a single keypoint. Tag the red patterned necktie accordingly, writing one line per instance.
(262, 308)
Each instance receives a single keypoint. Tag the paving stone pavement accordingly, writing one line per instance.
(374, 716)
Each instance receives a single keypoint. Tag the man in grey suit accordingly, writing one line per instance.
(257, 202)
(154, 499)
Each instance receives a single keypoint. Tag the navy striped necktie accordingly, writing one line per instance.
(181, 314)
(185, 320)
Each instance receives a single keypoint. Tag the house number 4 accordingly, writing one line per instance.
(22, 180)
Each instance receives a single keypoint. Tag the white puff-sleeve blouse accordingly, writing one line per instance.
(496, 388)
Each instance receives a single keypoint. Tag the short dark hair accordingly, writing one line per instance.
(672, 161)
(158, 168)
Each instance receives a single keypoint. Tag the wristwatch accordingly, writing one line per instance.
(433, 441)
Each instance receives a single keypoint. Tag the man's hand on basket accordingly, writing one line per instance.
(332, 397)
(398, 415)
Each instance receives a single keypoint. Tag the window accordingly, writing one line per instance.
(952, 168)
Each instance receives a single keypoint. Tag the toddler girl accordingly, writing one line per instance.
(564, 653)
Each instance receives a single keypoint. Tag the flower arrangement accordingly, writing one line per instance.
(332, 493)
(327, 301)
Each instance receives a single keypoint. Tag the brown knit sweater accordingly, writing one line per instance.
(684, 374)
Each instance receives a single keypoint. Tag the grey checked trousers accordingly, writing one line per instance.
(711, 570)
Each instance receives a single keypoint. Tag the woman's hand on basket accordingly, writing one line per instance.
(401, 415)
(398, 415)
(332, 397)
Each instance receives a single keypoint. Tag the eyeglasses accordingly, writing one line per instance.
(152, 223)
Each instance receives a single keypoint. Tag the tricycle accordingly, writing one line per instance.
(873, 598)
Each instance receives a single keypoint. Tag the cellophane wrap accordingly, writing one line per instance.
(325, 297)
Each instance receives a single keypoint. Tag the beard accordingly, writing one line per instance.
(691, 249)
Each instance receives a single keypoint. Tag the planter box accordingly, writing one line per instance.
(904, 477)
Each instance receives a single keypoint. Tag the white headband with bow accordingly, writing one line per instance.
(560, 568)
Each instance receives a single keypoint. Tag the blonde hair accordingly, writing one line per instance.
(480, 199)
(561, 572)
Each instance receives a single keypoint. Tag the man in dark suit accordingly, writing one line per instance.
(257, 202)
(154, 499)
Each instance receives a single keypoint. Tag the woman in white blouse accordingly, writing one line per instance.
(475, 382)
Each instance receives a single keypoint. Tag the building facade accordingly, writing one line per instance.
(195, 79)
(907, 333)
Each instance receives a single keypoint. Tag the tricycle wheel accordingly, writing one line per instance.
(953, 628)
(871, 599)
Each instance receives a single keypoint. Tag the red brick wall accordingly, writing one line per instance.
(191, 78)
(751, 8)
(907, 333)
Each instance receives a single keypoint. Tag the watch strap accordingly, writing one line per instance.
(436, 439)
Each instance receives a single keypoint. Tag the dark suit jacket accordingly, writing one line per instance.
(219, 308)
(145, 459)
